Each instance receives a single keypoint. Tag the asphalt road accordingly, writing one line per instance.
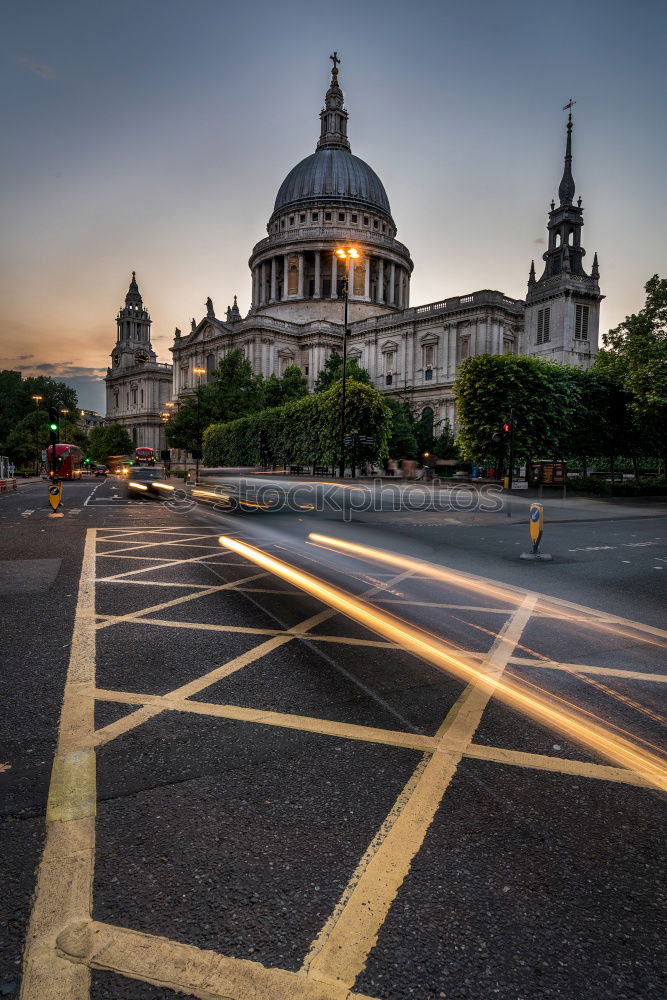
(295, 802)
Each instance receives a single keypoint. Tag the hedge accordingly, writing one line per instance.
(303, 432)
(627, 488)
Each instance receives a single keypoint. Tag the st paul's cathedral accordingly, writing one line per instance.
(329, 200)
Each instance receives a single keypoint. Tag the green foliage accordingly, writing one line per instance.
(232, 391)
(445, 445)
(546, 398)
(16, 403)
(627, 488)
(294, 385)
(635, 357)
(105, 441)
(303, 432)
(333, 372)
(402, 442)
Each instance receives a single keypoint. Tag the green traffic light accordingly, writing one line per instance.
(53, 427)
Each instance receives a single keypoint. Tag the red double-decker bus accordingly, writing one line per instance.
(68, 461)
(144, 456)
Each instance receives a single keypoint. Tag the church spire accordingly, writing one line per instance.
(133, 296)
(333, 116)
(566, 188)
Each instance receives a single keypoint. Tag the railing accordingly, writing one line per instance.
(309, 233)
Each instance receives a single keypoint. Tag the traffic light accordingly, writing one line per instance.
(504, 434)
(54, 419)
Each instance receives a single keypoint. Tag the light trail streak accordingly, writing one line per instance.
(622, 752)
(468, 583)
(616, 695)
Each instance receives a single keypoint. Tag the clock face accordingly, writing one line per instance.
(141, 357)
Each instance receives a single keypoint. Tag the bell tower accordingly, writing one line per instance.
(137, 386)
(563, 306)
(133, 338)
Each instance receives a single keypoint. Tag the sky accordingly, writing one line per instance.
(153, 135)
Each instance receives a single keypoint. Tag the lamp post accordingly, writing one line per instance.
(198, 372)
(346, 254)
(37, 400)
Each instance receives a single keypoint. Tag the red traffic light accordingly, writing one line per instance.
(507, 428)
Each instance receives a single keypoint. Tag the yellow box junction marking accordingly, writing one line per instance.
(62, 907)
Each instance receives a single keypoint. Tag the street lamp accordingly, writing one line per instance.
(38, 400)
(198, 372)
(346, 254)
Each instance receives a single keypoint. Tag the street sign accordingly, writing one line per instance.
(55, 495)
(536, 524)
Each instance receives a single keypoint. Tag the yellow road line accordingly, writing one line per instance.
(584, 668)
(64, 881)
(281, 720)
(434, 604)
(560, 765)
(339, 953)
(117, 619)
(174, 562)
(183, 968)
(142, 715)
(296, 632)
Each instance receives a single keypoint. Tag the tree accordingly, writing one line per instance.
(273, 391)
(16, 400)
(233, 390)
(111, 440)
(28, 438)
(445, 444)
(333, 372)
(635, 355)
(545, 397)
(294, 384)
(402, 442)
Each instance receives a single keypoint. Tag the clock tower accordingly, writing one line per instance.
(137, 386)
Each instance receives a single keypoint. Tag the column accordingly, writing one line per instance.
(300, 285)
(261, 284)
(381, 280)
(453, 338)
(334, 276)
(392, 283)
(407, 290)
(367, 282)
(273, 280)
(285, 276)
(350, 278)
(501, 337)
(318, 291)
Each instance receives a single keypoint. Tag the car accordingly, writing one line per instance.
(147, 481)
(100, 470)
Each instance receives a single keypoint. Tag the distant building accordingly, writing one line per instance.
(137, 386)
(86, 419)
(333, 199)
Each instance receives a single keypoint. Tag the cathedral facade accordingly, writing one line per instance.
(333, 199)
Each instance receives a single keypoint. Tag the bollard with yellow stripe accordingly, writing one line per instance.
(536, 525)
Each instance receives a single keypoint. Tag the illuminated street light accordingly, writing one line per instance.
(347, 254)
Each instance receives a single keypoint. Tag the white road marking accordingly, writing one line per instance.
(90, 495)
(27, 513)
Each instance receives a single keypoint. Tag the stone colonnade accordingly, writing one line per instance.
(319, 274)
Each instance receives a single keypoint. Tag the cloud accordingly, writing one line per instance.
(19, 357)
(540, 240)
(62, 370)
(38, 68)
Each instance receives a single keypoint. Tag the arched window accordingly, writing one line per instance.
(210, 365)
(134, 436)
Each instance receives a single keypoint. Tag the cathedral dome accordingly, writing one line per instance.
(333, 174)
